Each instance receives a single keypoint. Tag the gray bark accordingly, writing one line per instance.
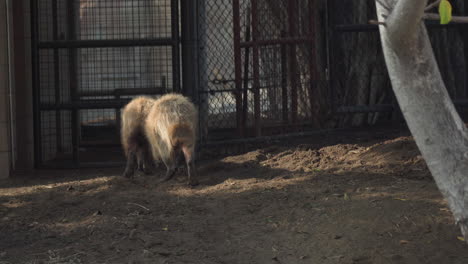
(430, 114)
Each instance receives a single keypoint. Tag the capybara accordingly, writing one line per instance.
(171, 129)
(134, 141)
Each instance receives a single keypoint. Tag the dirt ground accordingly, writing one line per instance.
(360, 197)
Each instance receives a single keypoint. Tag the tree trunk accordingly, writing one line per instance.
(438, 130)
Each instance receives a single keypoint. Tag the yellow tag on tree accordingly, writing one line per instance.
(445, 12)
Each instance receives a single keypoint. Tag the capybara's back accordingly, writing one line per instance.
(171, 129)
(134, 141)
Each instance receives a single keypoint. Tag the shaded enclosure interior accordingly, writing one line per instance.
(255, 68)
(92, 57)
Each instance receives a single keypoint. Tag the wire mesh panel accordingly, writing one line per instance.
(258, 66)
(359, 74)
(362, 92)
(92, 56)
(216, 64)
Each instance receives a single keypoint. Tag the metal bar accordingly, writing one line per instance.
(105, 43)
(108, 104)
(118, 114)
(292, 60)
(237, 65)
(92, 104)
(461, 103)
(190, 73)
(245, 96)
(256, 69)
(175, 45)
(72, 53)
(372, 28)
(9, 8)
(355, 28)
(36, 84)
(203, 104)
(382, 108)
(58, 116)
(137, 91)
(284, 81)
(365, 109)
(330, 35)
(312, 63)
(83, 165)
(270, 138)
(231, 90)
(272, 42)
(101, 144)
(122, 91)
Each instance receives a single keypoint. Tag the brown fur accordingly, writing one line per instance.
(171, 128)
(134, 141)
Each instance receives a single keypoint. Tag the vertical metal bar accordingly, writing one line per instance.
(73, 74)
(10, 58)
(203, 98)
(312, 62)
(292, 59)
(256, 69)
(284, 80)
(36, 84)
(58, 116)
(330, 35)
(175, 45)
(245, 96)
(237, 65)
(190, 73)
(118, 114)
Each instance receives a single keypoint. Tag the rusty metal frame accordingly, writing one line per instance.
(288, 43)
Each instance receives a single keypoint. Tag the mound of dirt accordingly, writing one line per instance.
(398, 156)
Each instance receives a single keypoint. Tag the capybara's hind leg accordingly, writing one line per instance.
(171, 170)
(171, 165)
(192, 173)
(180, 159)
(140, 161)
(148, 162)
(191, 170)
(132, 164)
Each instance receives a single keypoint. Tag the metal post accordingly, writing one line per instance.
(256, 69)
(11, 103)
(245, 96)
(175, 45)
(292, 16)
(190, 73)
(238, 66)
(203, 98)
(284, 80)
(36, 84)
(312, 62)
(58, 116)
(72, 53)
(330, 35)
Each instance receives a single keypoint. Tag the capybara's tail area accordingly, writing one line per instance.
(181, 134)
(135, 141)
